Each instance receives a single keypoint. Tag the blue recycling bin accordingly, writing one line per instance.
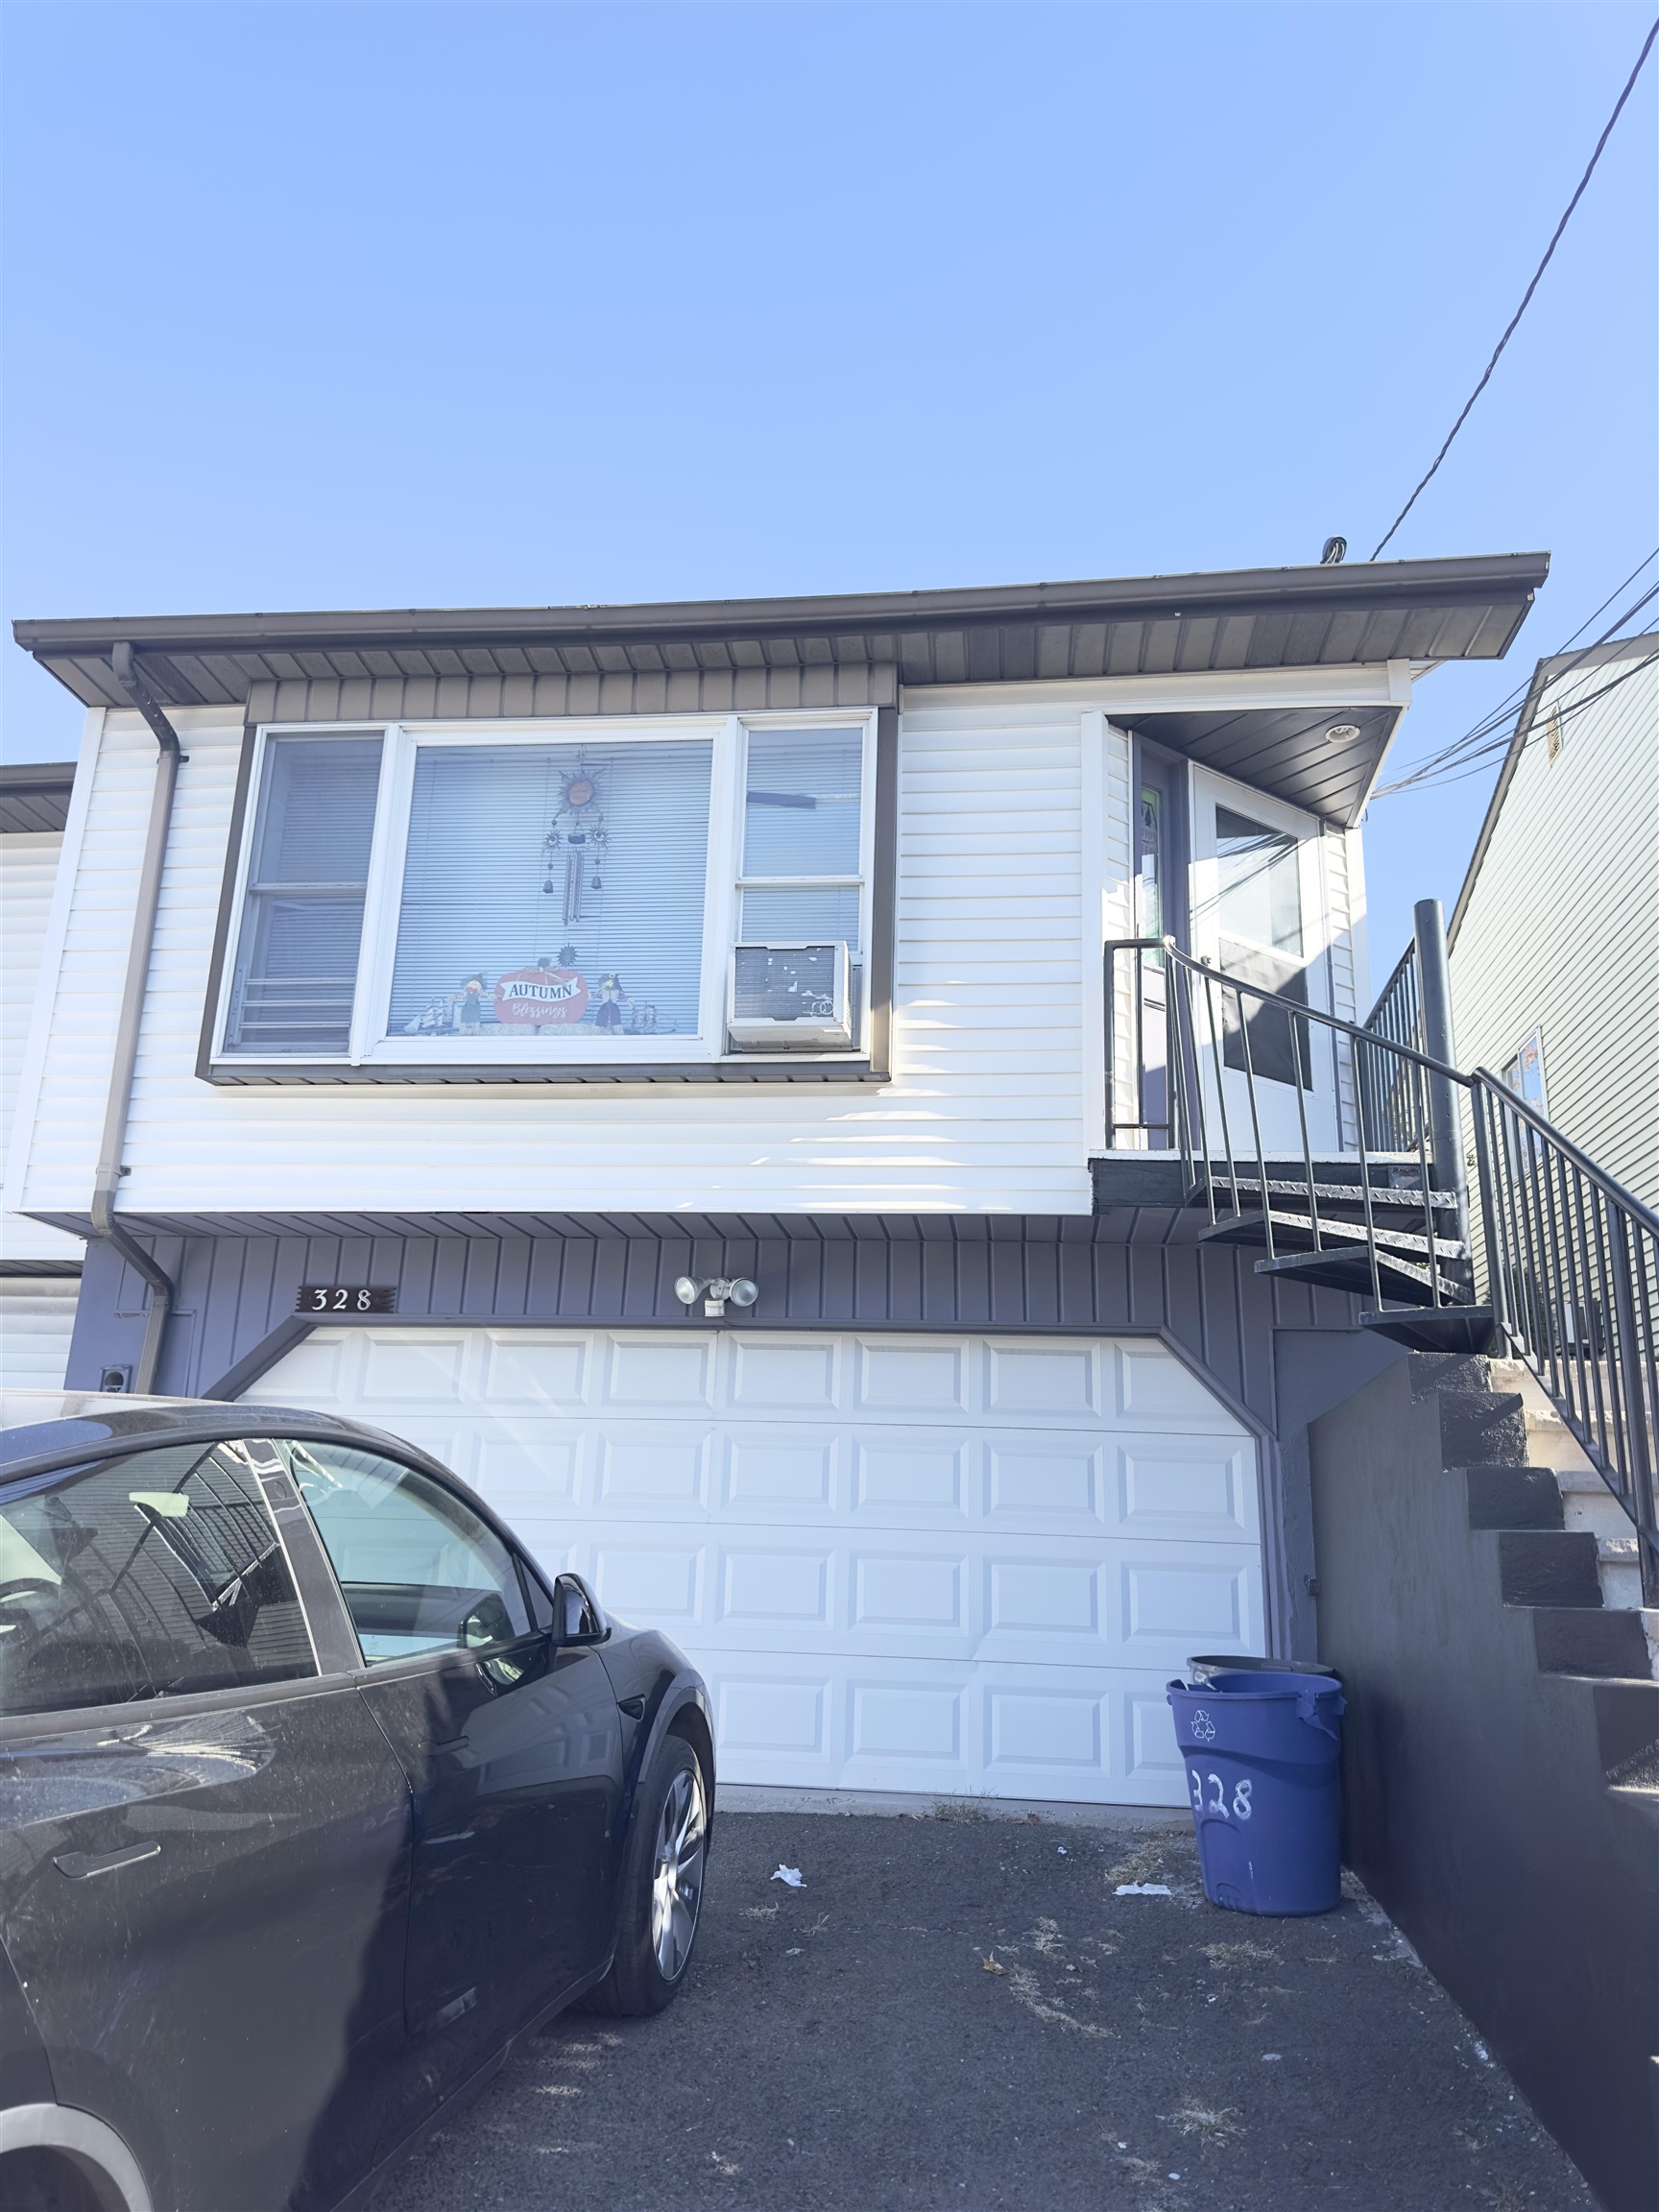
(1262, 1751)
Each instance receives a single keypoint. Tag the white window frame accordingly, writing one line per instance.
(369, 1044)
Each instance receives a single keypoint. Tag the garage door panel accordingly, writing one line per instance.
(1043, 1481)
(1155, 1388)
(1058, 1382)
(772, 1471)
(651, 1470)
(907, 1562)
(899, 1476)
(521, 1368)
(926, 1376)
(1188, 1489)
(661, 1373)
(769, 1375)
(761, 1585)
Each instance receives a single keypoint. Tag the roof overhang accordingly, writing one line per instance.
(1258, 618)
(35, 796)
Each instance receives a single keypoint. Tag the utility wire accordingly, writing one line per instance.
(1502, 711)
(1560, 715)
(1526, 297)
(1464, 747)
(1491, 737)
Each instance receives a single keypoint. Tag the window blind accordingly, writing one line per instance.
(564, 882)
(296, 970)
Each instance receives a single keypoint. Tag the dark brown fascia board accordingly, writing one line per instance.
(1379, 583)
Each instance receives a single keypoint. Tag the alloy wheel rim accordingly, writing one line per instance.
(677, 1877)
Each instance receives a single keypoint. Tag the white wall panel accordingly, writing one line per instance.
(988, 1108)
(36, 1321)
(28, 875)
(928, 1562)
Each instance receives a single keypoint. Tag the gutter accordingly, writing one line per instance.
(107, 1182)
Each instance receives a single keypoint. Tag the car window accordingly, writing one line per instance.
(420, 1571)
(151, 1575)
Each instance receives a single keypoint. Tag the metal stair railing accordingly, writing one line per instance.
(1563, 1259)
(1571, 1273)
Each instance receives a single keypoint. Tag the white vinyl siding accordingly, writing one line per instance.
(929, 1563)
(985, 1112)
(36, 1321)
(1561, 932)
(28, 873)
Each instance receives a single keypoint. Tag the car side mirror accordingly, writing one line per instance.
(576, 1618)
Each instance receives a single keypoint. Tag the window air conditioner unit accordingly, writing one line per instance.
(791, 996)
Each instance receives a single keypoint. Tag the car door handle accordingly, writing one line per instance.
(79, 1864)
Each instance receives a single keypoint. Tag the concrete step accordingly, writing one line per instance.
(1619, 1565)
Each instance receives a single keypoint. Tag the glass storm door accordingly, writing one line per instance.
(1258, 915)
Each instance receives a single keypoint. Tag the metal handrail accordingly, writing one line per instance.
(1567, 1260)
(1398, 1012)
(1515, 1104)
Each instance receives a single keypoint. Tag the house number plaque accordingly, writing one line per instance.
(343, 1298)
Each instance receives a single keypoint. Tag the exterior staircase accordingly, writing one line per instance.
(1318, 1231)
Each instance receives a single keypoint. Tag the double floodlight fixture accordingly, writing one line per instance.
(716, 1291)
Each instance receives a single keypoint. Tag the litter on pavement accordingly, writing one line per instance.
(789, 1875)
(1143, 1889)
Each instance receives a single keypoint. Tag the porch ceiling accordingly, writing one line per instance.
(1285, 751)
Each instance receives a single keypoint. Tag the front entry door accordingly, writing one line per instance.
(1258, 915)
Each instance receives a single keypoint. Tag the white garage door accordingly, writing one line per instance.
(942, 1564)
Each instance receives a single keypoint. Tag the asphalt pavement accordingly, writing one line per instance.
(960, 2011)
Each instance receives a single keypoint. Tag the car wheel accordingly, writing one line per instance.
(661, 1887)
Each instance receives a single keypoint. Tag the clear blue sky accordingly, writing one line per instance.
(369, 305)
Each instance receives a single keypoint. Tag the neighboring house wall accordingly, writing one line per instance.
(36, 1307)
(1557, 931)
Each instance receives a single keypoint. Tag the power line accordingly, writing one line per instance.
(1527, 297)
(1490, 735)
(1469, 745)
(1559, 714)
(1496, 716)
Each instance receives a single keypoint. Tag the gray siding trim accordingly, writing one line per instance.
(235, 1291)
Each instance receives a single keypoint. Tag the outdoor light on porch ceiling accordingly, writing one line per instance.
(1341, 733)
(715, 1292)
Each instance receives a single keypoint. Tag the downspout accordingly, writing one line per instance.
(107, 1182)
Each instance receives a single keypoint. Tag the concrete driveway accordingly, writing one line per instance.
(959, 2011)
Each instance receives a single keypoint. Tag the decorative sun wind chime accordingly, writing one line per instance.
(579, 836)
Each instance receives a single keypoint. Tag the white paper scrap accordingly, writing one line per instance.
(1143, 1889)
(789, 1875)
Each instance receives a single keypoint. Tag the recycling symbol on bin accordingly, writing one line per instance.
(1203, 1727)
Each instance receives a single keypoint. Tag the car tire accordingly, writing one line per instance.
(661, 1887)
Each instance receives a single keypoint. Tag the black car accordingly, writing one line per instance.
(314, 1795)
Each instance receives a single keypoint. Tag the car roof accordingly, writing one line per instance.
(41, 1429)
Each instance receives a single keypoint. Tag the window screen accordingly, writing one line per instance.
(420, 1571)
(801, 820)
(147, 1576)
(296, 969)
(553, 892)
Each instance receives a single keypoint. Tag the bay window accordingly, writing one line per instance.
(480, 895)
